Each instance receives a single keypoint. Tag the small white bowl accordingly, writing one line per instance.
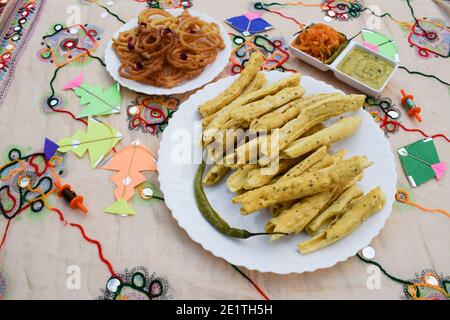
(354, 82)
(339, 74)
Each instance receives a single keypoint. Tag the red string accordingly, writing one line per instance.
(90, 240)
(5, 234)
(395, 124)
(259, 290)
(286, 17)
(251, 282)
(71, 114)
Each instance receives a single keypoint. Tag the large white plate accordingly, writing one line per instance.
(258, 253)
(211, 71)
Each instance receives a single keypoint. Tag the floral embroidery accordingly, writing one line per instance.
(428, 286)
(136, 284)
(151, 114)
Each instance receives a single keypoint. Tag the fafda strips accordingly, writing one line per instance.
(304, 185)
(236, 88)
(363, 208)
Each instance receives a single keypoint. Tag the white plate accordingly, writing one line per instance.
(258, 253)
(211, 71)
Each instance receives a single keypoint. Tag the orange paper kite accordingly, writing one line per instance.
(129, 162)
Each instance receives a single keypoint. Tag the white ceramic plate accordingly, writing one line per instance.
(176, 178)
(211, 71)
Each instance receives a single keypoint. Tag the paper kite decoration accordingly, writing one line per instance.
(99, 139)
(99, 102)
(50, 149)
(421, 162)
(380, 43)
(249, 23)
(129, 162)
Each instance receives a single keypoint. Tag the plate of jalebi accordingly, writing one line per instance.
(167, 51)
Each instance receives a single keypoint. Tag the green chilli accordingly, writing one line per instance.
(212, 216)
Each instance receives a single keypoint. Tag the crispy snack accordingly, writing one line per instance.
(340, 130)
(335, 210)
(236, 88)
(246, 113)
(236, 180)
(363, 208)
(291, 131)
(282, 115)
(258, 177)
(305, 164)
(295, 218)
(257, 83)
(224, 115)
(215, 173)
(319, 41)
(302, 186)
(317, 113)
(166, 51)
(319, 159)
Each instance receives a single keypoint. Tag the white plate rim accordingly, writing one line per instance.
(209, 74)
(170, 199)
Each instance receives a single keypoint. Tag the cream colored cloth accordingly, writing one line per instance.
(37, 254)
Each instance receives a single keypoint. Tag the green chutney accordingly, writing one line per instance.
(366, 67)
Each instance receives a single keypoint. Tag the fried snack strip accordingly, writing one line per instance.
(257, 178)
(295, 218)
(302, 186)
(215, 173)
(282, 115)
(313, 160)
(236, 180)
(364, 207)
(335, 210)
(232, 92)
(257, 83)
(340, 130)
(224, 115)
(291, 131)
(246, 113)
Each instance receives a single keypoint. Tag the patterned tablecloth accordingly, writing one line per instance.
(44, 258)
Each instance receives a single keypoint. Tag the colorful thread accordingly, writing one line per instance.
(386, 122)
(88, 239)
(424, 75)
(168, 4)
(18, 172)
(18, 30)
(276, 55)
(151, 114)
(402, 196)
(251, 282)
(411, 288)
(136, 284)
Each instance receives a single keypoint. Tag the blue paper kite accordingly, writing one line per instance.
(249, 23)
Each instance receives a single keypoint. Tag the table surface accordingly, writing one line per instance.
(37, 253)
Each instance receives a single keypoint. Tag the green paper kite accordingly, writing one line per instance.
(99, 102)
(380, 43)
(420, 162)
(120, 207)
(99, 139)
